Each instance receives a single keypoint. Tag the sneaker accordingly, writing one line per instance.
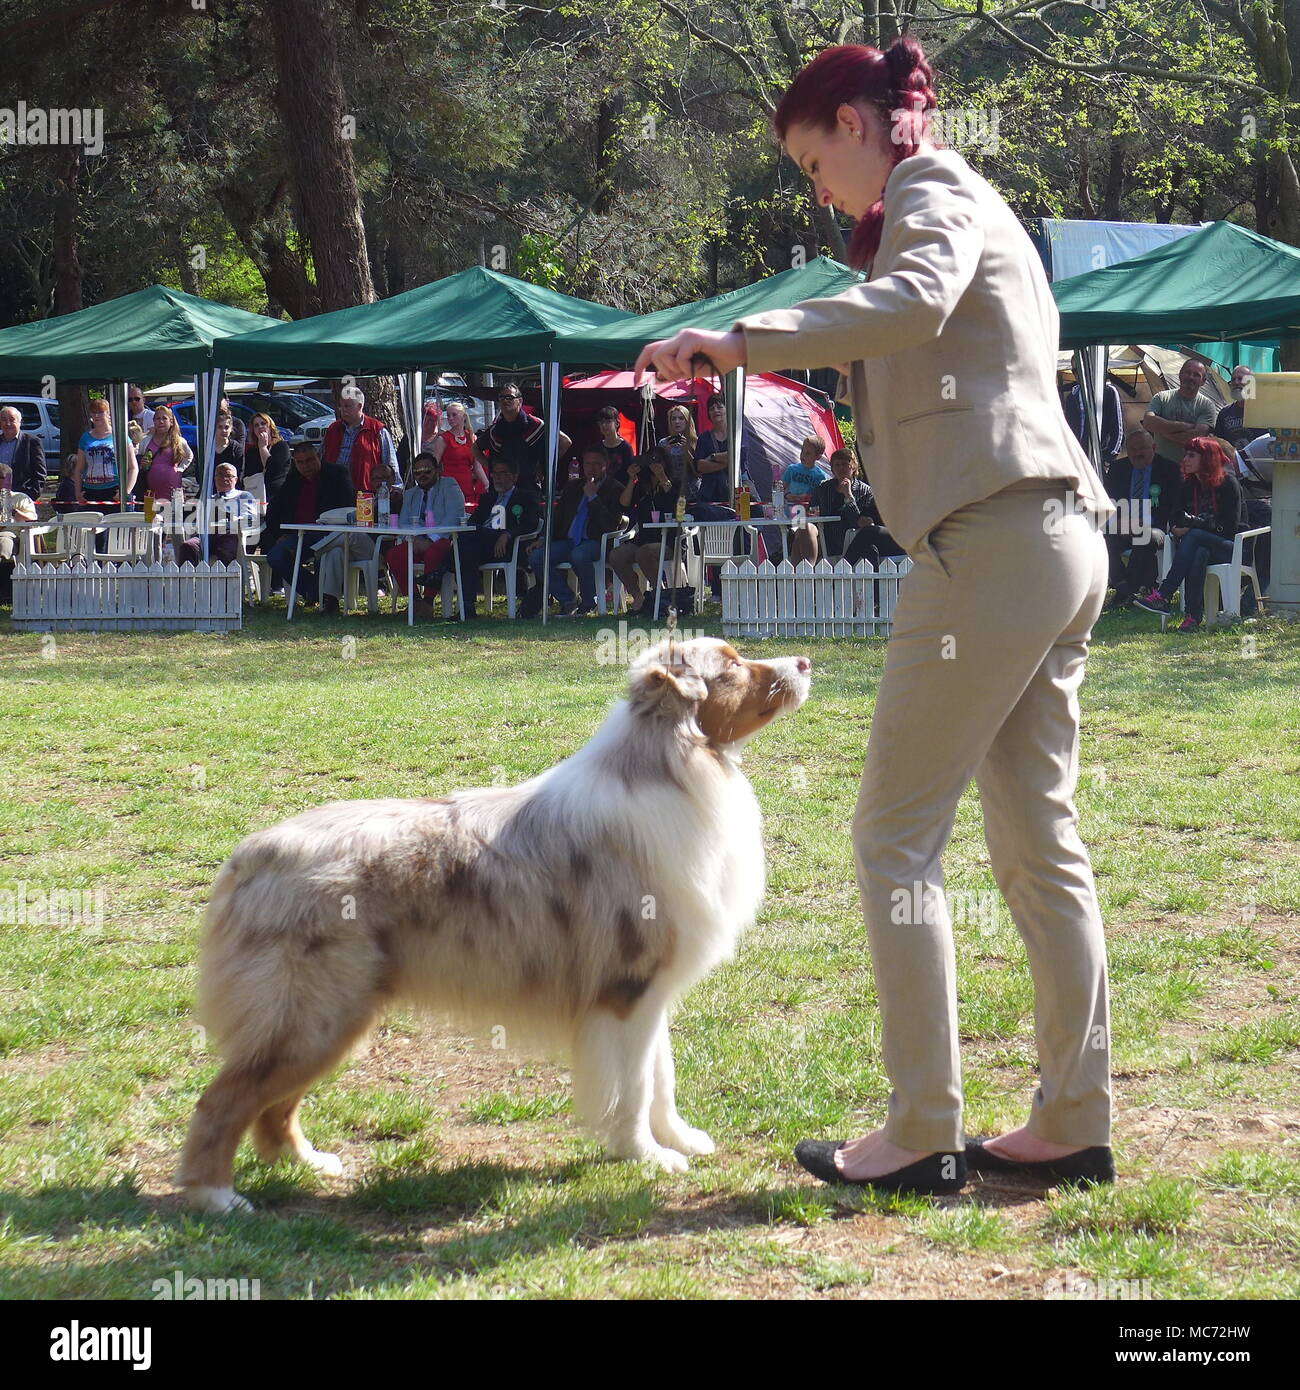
(1153, 602)
(1189, 625)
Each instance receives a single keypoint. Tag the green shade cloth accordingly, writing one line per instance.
(475, 318)
(153, 334)
(619, 345)
(1221, 283)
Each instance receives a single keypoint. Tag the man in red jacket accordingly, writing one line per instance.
(358, 441)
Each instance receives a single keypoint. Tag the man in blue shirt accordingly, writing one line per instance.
(587, 508)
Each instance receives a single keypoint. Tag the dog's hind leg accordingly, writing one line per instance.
(666, 1124)
(614, 1057)
(278, 1132)
(269, 1094)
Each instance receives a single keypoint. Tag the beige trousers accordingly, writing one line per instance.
(982, 680)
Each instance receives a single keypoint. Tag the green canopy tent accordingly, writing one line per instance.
(475, 318)
(620, 344)
(1221, 283)
(153, 333)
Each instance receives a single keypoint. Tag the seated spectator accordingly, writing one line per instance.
(339, 546)
(850, 525)
(505, 510)
(430, 423)
(1150, 488)
(266, 459)
(456, 453)
(650, 494)
(358, 441)
(164, 457)
(311, 489)
(1211, 511)
(23, 509)
(618, 452)
(230, 511)
(433, 501)
(802, 479)
(65, 494)
(22, 452)
(238, 431)
(587, 508)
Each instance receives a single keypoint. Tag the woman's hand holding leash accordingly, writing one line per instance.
(679, 357)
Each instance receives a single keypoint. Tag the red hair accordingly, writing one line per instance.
(1213, 459)
(896, 82)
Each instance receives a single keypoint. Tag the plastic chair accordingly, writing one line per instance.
(367, 570)
(1223, 582)
(714, 543)
(128, 537)
(602, 564)
(510, 569)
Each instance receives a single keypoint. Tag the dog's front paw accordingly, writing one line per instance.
(217, 1201)
(687, 1140)
(669, 1160)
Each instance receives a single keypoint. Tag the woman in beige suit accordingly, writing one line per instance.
(948, 352)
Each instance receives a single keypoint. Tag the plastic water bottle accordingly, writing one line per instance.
(6, 505)
(778, 499)
(383, 517)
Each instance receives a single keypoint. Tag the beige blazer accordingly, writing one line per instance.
(952, 344)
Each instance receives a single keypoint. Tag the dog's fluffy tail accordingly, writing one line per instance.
(279, 981)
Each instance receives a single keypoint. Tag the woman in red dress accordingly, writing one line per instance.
(454, 449)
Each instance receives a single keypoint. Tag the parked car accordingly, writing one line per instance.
(39, 416)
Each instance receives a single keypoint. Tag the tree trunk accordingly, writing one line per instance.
(74, 403)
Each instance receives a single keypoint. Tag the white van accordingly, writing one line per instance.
(40, 416)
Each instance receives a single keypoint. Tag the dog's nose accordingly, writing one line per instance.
(802, 664)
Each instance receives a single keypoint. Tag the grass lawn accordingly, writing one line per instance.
(137, 761)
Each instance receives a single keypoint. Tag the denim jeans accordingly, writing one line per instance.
(582, 557)
(1197, 550)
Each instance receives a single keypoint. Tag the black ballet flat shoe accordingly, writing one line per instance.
(934, 1176)
(1096, 1164)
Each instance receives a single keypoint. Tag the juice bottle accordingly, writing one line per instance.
(365, 508)
(743, 503)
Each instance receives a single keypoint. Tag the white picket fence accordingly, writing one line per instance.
(91, 596)
(828, 599)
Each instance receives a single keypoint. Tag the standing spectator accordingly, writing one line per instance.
(430, 422)
(802, 479)
(1231, 421)
(1112, 421)
(1179, 415)
(680, 442)
(434, 500)
(1151, 488)
(23, 453)
(228, 448)
(237, 429)
(518, 438)
(457, 454)
(505, 510)
(163, 457)
(358, 441)
(267, 460)
(712, 465)
(95, 474)
(311, 489)
(587, 508)
(1211, 512)
(618, 452)
(136, 411)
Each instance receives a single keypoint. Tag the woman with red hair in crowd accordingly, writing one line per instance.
(1213, 510)
(948, 349)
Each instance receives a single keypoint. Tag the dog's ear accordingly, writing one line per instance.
(655, 679)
